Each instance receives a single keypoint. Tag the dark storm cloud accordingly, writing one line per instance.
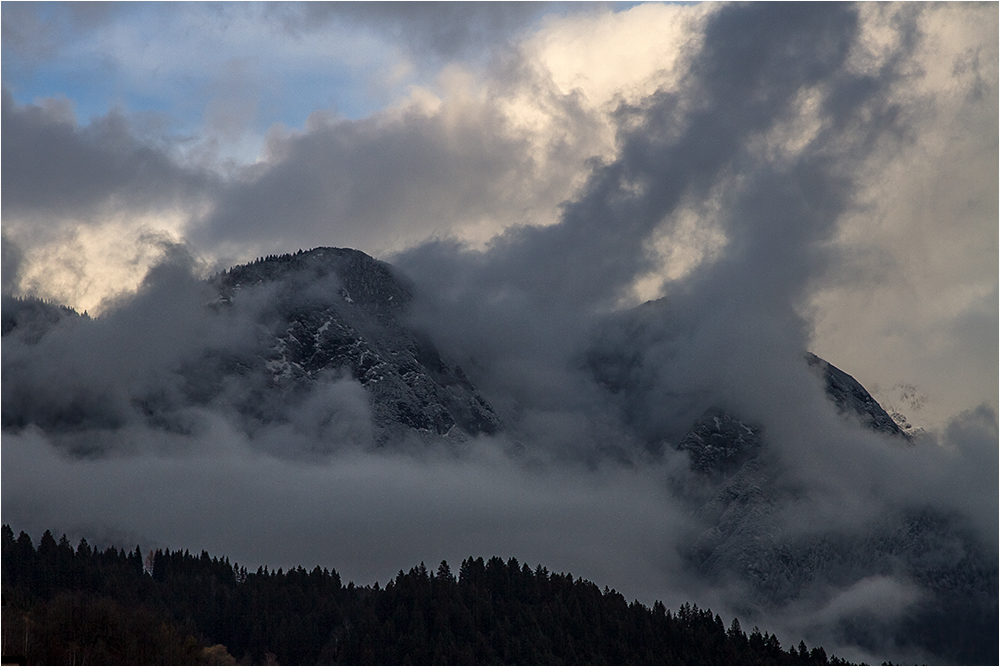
(365, 514)
(35, 31)
(307, 488)
(142, 378)
(89, 375)
(731, 334)
(668, 154)
(534, 290)
(357, 183)
(391, 179)
(55, 167)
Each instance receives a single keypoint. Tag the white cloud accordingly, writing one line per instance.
(367, 515)
(914, 298)
(91, 264)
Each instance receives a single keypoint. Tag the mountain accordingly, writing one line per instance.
(743, 543)
(317, 316)
(853, 399)
(743, 507)
(322, 343)
(32, 317)
(312, 317)
(337, 310)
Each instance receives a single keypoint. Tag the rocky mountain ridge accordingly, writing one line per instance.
(339, 310)
(742, 542)
(335, 312)
(317, 316)
(742, 506)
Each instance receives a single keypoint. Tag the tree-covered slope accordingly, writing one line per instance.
(64, 605)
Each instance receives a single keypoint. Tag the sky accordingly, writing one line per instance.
(251, 129)
(783, 177)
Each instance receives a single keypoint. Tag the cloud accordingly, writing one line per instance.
(11, 261)
(448, 32)
(35, 36)
(469, 152)
(63, 168)
(772, 132)
(916, 258)
(544, 284)
(385, 182)
(366, 515)
(88, 375)
(86, 203)
(779, 174)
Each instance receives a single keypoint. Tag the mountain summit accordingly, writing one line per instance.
(336, 310)
(274, 333)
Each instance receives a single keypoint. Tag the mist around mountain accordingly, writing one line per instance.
(513, 397)
(324, 359)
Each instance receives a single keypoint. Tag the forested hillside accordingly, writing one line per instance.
(66, 605)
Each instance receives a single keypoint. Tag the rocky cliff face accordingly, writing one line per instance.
(339, 310)
(311, 318)
(854, 400)
(742, 510)
(743, 543)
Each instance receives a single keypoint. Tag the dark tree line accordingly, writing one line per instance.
(69, 606)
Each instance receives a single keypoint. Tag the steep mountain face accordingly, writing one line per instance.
(719, 444)
(339, 310)
(26, 320)
(740, 504)
(314, 318)
(853, 399)
(742, 535)
(743, 544)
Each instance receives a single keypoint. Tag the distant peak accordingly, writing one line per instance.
(851, 397)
